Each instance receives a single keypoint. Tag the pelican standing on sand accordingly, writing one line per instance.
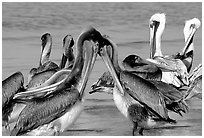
(136, 98)
(57, 111)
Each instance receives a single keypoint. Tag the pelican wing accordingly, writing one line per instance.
(144, 92)
(168, 90)
(44, 111)
(10, 86)
(39, 78)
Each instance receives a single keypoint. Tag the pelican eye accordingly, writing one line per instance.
(192, 26)
(151, 25)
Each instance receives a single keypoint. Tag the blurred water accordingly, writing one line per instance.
(126, 23)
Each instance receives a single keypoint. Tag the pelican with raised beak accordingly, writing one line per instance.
(56, 112)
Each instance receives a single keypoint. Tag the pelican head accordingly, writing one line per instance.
(156, 25)
(46, 48)
(189, 30)
(68, 43)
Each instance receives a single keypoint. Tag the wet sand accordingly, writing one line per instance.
(102, 118)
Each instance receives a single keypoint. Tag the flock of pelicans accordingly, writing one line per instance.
(144, 90)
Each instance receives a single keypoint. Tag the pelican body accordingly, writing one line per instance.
(57, 111)
(136, 98)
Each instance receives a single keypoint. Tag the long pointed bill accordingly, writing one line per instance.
(63, 61)
(90, 58)
(152, 42)
(109, 64)
(185, 49)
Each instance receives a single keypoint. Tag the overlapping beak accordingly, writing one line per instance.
(105, 56)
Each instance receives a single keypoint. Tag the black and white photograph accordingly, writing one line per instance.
(101, 68)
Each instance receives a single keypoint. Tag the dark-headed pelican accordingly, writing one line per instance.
(45, 71)
(136, 98)
(47, 68)
(57, 111)
(48, 77)
(45, 63)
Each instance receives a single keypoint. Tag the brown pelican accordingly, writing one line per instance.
(56, 112)
(136, 98)
(48, 77)
(44, 63)
(10, 86)
(134, 64)
(48, 68)
(39, 78)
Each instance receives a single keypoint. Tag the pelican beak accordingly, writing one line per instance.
(104, 54)
(90, 54)
(189, 40)
(68, 43)
(63, 61)
(153, 29)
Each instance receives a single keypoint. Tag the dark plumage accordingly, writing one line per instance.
(10, 86)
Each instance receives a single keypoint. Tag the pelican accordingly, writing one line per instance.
(46, 78)
(68, 52)
(187, 53)
(39, 78)
(10, 86)
(48, 68)
(44, 63)
(180, 77)
(136, 98)
(57, 111)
